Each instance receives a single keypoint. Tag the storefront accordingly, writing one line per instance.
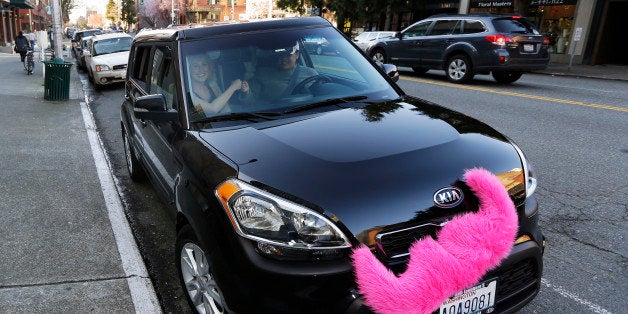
(554, 19)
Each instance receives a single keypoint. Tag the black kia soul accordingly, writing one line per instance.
(275, 186)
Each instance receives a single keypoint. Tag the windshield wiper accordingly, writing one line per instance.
(250, 116)
(327, 102)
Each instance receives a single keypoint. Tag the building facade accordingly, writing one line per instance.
(21, 16)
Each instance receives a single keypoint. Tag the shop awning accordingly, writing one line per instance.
(22, 4)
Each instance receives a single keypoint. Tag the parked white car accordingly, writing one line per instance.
(366, 39)
(107, 57)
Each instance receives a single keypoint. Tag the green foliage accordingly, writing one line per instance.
(111, 12)
(81, 22)
(66, 7)
(128, 14)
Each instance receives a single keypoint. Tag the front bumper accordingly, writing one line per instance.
(109, 77)
(258, 283)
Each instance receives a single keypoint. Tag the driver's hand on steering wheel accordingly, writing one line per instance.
(244, 87)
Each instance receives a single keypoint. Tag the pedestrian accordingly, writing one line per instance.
(22, 44)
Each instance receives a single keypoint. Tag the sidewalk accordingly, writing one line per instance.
(604, 71)
(60, 251)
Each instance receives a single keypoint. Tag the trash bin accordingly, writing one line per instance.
(57, 79)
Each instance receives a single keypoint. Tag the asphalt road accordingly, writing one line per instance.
(574, 132)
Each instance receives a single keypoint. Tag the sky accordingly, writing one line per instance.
(82, 5)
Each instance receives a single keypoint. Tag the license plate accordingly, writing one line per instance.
(477, 299)
(528, 47)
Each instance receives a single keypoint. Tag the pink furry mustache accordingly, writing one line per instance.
(468, 246)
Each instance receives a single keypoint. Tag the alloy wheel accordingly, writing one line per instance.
(378, 56)
(457, 69)
(198, 280)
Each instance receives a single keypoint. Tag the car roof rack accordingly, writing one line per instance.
(460, 15)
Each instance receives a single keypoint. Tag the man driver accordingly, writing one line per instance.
(278, 81)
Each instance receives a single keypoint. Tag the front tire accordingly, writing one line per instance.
(378, 55)
(506, 77)
(195, 274)
(459, 69)
(133, 166)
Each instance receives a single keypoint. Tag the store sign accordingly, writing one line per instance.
(552, 2)
(491, 4)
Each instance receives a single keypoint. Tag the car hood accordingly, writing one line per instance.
(115, 58)
(377, 165)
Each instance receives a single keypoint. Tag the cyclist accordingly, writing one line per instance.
(22, 45)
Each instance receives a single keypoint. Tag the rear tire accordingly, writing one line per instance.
(459, 69)
(136, 172)
(506, 77)
(378, 55)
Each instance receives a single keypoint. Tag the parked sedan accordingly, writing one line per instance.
(279, 191)
(84, 46)
(107, 57)
(366, 39)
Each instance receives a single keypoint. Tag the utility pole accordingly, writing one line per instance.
(56, 27)
(172, 11)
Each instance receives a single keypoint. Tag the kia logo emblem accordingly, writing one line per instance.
(448, 197)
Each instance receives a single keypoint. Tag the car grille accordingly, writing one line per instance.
(514, 278)
(119, 67)
(395, 244)
(515, 283)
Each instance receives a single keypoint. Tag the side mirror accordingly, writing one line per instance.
(391, 70)
(87, 53)
(153, 107)
(398, 35)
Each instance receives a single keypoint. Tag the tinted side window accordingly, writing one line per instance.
(141, 66)
(472, 27)
(162, 75)
(419, 29)
(444, 27)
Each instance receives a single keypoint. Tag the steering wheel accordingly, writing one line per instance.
(311, 81)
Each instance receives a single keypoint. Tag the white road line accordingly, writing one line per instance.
(572, 296)
(142, 290)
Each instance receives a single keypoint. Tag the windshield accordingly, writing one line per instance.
(273, 72)
(111, 45)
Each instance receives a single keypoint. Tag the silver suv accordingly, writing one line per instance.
(465, 45)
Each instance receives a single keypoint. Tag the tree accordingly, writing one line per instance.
(156, 13)
(152, 15)
(128, 12)
(81, 22)
(66, 7)
(111, 12)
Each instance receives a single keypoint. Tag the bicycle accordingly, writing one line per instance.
(29, 62)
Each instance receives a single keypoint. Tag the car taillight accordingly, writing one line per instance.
(546, 40)
(516, 16)
(498, 39)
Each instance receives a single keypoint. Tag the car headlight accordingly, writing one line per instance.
(102, 67)
(528, 172)
(280, 227)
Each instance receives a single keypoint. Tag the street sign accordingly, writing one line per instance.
(577, 34)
